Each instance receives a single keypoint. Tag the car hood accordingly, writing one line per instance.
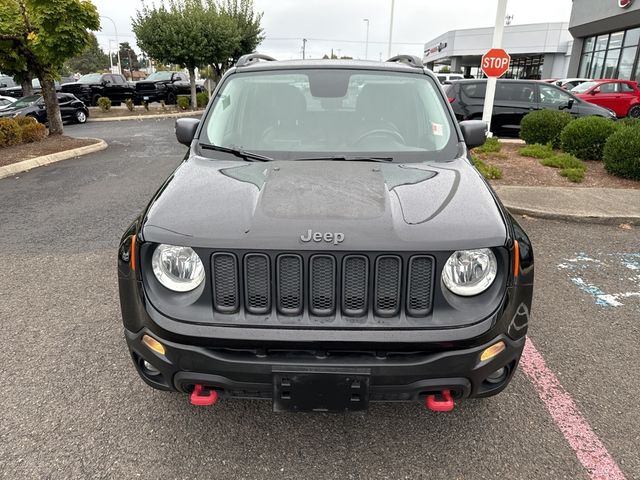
(416, 206)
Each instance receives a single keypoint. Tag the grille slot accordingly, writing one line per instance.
(322, 285)
(290, 288)
(225, 282)
(257, 283)
(419, 286)
(355, 285)
(387, 285)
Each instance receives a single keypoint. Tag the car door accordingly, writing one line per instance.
(513, 100)
(628, 97)
(66, 109)
(555, 98)
(181, 84)
(608, 95)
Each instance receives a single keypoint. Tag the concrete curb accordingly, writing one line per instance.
(147, 117)
(512, 141)
(599, 219)
(15, 168)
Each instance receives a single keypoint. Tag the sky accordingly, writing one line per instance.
(339, 24)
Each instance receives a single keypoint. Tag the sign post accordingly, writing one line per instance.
(494, 63)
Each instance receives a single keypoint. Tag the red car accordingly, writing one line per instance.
(621, 96)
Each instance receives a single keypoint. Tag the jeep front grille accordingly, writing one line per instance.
(345, 285)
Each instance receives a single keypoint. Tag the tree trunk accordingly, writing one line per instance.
(51, 103)
(27, 86)
(192, 81)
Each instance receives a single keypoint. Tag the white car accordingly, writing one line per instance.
(569, 83)
(6, 101)
(444, 78)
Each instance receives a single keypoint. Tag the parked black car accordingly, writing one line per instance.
(90, 87)
(16, 90)
(513, 100)
(71, 109)
(348, 252)
(164, 86)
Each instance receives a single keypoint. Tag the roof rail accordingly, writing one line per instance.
(410, 60)
(252, 58)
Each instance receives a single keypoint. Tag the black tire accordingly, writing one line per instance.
(171, 98)
(80, 116)
(94, 100)
(634, 112)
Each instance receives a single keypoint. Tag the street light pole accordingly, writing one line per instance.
(498, 33)
(366, 44)
(393, 4)
(117, 43)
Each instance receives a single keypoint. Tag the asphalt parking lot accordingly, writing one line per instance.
(72, 405)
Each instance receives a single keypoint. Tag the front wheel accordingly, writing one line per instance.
(81, 116)
(171, 98)
(634, 112)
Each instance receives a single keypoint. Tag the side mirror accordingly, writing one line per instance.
(595, 90)
(571, 103)
(474, 132)
(186, 130)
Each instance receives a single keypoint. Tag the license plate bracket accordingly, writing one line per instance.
(320, 390)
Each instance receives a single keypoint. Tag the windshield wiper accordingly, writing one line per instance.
(346, 158)
(238, 152)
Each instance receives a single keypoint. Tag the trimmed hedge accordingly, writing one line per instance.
(585, 137)
(33, 132)
(184, 102)
(10, 132)
(544, 126)
(622, 153)
(202, 98)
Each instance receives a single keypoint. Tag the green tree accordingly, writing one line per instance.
(92, 59)
(198, 33)
(128, 57)
(38, 36)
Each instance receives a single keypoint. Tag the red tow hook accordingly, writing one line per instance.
(444, 404)
(203, 397)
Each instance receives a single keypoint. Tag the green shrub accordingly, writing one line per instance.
(563, 160)
(490, 172)
(202, 98)
(585, 137)
(492, 145)
(628, 122)
(10, 132)
(537, 151)
(575, 175)
(104, 103)
(33, 132)
(129, 103)
(183, 102)
(22, 121)
(544, 126)
(622, 153)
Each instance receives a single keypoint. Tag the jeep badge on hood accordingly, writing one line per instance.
(329, 237)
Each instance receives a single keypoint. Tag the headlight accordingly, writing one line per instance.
(177, 268)
(470, 272)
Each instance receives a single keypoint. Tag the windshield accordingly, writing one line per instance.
(26, 101)
(291, 114)
(159, 76)
(90, 78)
(583, 87)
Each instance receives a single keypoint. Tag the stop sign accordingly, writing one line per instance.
(495, 62)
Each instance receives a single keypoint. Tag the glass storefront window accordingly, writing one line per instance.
(596, 66)
(616, 40)
(626, 63)
(632, 38)
(611, 64)
(585, 65)
(589, 44)
(601, 42)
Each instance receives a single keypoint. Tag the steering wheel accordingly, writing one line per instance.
(381, 131)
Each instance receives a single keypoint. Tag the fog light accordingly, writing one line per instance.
(492, 351)
(150, 369)
(153, 344)
(497, 376)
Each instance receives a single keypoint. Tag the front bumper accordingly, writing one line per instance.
(394, 376)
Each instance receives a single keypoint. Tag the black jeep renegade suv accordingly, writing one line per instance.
(325, 243)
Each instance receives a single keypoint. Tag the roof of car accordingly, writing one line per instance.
(322, 63)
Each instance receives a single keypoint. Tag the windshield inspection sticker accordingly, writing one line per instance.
(437, 129)
(621, 269)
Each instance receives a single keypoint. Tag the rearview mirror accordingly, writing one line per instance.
(186, 130)
(474, 132)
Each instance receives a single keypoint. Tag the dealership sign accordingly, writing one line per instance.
(624, 3)
(436, 49)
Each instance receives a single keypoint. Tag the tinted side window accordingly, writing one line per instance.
(553, 96)
(625, 87)
(515, 92)
(608, 87)
(118, 79)
(108, 79)
(474, 90)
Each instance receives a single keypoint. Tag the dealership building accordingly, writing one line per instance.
(537, 50)
(607, 34)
